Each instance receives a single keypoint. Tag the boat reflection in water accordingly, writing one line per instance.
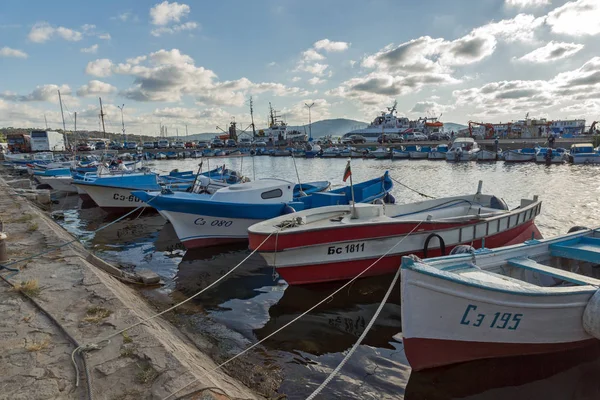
(571, 374)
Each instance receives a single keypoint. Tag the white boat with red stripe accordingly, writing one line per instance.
(338, 242)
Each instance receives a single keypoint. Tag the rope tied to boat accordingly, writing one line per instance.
(409, 188)
(326, 299)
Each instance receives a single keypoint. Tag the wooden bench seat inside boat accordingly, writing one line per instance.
(473, 272)
(528, 263)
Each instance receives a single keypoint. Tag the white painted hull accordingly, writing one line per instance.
(585, 159)
(486, 155)
(356, 154)
(380, 155)
(400, 155)
(59, 183)
(513, 156)
(418, 154)
(436, 155)
(556, 159)
(111, 198)
(195, 230)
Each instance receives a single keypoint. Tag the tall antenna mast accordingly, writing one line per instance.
(252, 117)
(45, 119)
(102, 117)
(63, 120)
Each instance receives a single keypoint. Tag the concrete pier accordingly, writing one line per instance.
(149, 361)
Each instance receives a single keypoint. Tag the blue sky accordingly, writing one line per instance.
(196, 63)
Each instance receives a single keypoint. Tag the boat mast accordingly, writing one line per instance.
(63, 120)
(252, 118)
(102, 117)
(46, 120)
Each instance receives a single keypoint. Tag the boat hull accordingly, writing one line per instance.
(458, 322)
(400, 155)
(486, 155)
(455, 156)
(197, 231)
(300, 260)
(557, 159)
(514, 156)
(436, 155)
(59, 183)
(418, 154)
(111, 199)
(584, 158)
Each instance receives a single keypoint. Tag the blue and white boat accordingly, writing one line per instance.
(312, 150)
(540, 296)
(420, 153)
(520, 155)
(550, 156)
(584, 153)
(381, 153)
(403, 152)
(112, 192)
(438, 152)
(224, 217)
(330, 152)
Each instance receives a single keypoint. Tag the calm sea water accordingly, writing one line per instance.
(252, 302)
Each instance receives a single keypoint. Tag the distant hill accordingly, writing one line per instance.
(338, 126)
(451, 126)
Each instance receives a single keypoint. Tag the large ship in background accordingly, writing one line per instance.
(389, 123)
(278, 130)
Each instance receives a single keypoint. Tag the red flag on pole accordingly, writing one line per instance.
(347, 172)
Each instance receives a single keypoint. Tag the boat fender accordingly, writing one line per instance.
(462, 249)
(591, 316)
(498, 203)
(577, 228)
(288, 210)
(389, 199)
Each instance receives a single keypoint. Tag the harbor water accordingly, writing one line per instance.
(253, 302)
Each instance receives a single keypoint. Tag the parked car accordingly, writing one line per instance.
(439, 136)
(115, 146)
(178, 145)
(245, 141)
(148, 145)
(202, 144)
(155, 144)
(390, 138)
(83, 147)
(414, 136)
(100, 146)
(190, 145)
(131, 146)
(230, 143)
(259, 143)
(217, 143)
(163, 144)
(354, 139)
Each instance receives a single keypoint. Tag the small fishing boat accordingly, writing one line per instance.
(356, 153)
(420, 153)
(338, 242)
(463, 149)
(438, 152)
(312, 150)
(550, 156)
(161, 156)
(488, 155)
(330, 152)
(584, 153)
(224, 217)
(403, 152)
(346, 152)
(59, 183)
(281, 153)
(171, 155)
(517, 300)
(520, 155)
(381, 153)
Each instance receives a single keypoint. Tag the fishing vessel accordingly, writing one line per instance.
(520, 155)
(384, 124)
(403, 152)
(420, 153)
(381, 153)
(550, 156)
(488, 155)
(224, 217)
(278, 130)
(463, 149)
(488, 303)
(438, 152)
(338, 242)
(584, 153)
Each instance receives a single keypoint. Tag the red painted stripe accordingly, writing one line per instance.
(346, 270)
(430, 353)
(207, 242)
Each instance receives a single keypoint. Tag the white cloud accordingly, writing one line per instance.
(8, 52)
(40, 93)
(552, 51)
(526, 3)
(315, 80)
(42, 32)
(92, 49)
(104, 36)
(101, 67)
(312, 55)
(521, 28)
(430, 107)
(576, 18)
(329, 46)
(94, 88)
(123, 17)
(296, 79)
(315, 69)
(165, 12)
(188, 26)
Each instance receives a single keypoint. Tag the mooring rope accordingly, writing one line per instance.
(326, 299)
(360, 339)
(409, 188)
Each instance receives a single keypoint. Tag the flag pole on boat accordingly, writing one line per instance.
(348, 174)
(297, 174)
